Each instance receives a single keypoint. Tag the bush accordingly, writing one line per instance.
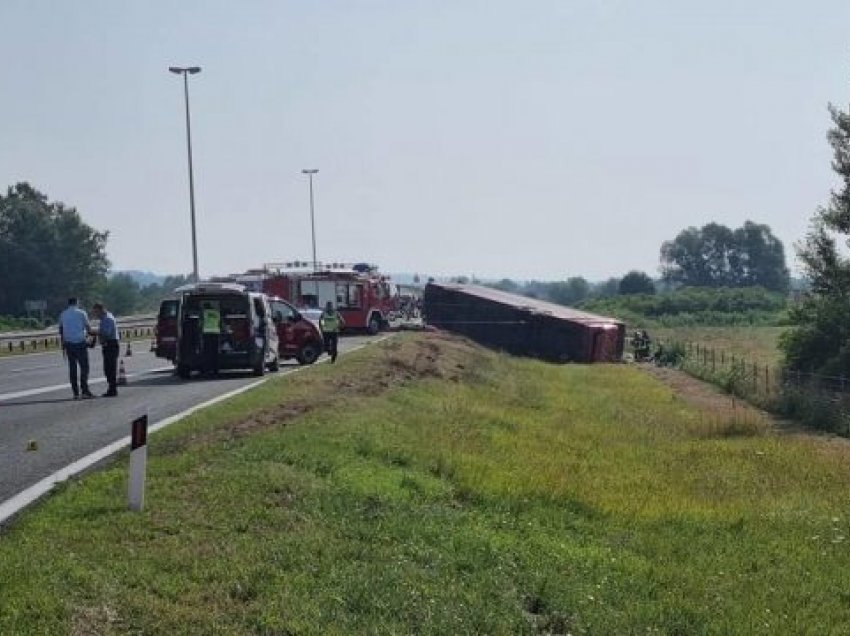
(671, 355)
(816, 409)
(692, 306)
(12, 323)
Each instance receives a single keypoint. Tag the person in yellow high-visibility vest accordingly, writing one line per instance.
(211, 328)
(331, 324)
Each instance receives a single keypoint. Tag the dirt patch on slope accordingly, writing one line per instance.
(701, 394)
(392, 363)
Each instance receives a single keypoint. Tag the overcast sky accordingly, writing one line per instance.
(542, 138)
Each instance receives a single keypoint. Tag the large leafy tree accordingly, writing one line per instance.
(120, 293)
(47, 252)
(717, 256)
(568, 292)
(636, 282)
(821, 338)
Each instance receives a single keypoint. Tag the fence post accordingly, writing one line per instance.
(722, 357)
(767, 379)
(713, 362)
(755, 377)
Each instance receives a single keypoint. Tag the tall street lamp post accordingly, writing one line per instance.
(185, 72)
(310, 172)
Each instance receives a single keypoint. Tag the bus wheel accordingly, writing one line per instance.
(184, 371)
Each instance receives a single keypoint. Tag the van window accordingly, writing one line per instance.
(168, 309)
(281, 311)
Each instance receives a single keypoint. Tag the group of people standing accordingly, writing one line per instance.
(77, 336)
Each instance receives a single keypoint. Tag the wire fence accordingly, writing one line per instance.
(817, 400)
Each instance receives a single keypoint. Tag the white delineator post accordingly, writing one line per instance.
(138, 462)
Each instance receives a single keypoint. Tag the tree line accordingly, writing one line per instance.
(48, 253)
(713, 256)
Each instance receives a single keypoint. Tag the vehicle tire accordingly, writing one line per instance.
(309, 353)
(184, 371)
(260, 369)
(374, 325)
(274, 365)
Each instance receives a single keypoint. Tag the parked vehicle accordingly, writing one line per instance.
(223, 326)
(363, 298)
(298, 337)
(164, 344)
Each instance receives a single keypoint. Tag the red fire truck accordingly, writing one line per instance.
(362, 296)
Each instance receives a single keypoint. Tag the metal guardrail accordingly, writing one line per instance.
(128, 326)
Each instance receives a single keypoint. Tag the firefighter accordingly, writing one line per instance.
(331, 323)
(647, 345)
(637, 345)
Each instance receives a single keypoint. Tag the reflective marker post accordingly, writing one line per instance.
(138, 462)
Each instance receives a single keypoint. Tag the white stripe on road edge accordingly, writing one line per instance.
(40, 367)
(56, 387)
(14, 505)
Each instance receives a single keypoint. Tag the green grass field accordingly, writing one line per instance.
(757, 344)
(424, 485)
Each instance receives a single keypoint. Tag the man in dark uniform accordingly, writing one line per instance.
(110, 346)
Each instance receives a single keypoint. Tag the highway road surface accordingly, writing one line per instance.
(36, 404)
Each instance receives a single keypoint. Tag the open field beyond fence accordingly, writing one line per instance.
(425, 485)
(758, 345)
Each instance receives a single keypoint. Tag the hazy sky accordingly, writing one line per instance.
(542, 138)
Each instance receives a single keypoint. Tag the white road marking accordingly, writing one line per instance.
(36, 368)
(15, 504)
(67, 386)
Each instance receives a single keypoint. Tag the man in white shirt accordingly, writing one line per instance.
(74, 327)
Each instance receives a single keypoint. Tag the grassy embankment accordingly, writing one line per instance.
(424, 485)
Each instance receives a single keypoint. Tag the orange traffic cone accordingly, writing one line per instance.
(122, 375)
(129, 351)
